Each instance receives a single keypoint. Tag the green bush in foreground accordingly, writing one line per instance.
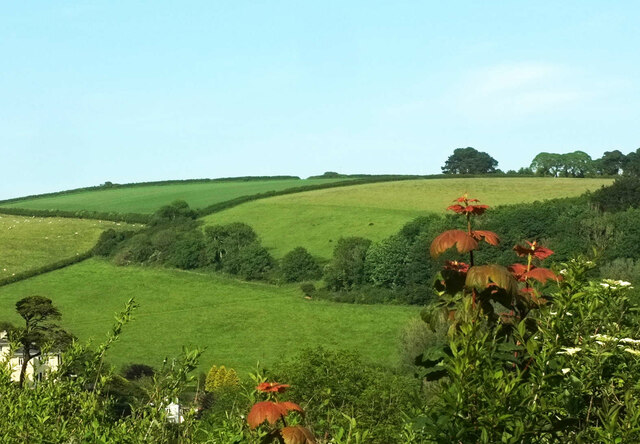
(70, 405)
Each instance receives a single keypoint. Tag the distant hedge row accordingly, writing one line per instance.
(132, 218)
(46, 268)
(354, 179)
(109, 185)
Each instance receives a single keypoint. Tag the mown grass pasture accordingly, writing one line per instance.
(317, 219)
(31, 242)
(148, 198)
(239, 323)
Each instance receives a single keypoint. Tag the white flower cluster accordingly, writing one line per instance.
(615, 285)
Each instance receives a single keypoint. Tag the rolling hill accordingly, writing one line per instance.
(317, 219)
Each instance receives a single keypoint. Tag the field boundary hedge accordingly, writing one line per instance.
(133, 218)
(113, 186)
(46, 268)
(350, 180)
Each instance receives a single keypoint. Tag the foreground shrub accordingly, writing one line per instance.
(72, 405)
(548, 363)
(298, 265)
(340, 384)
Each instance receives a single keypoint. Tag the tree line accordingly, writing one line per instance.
(574, 164)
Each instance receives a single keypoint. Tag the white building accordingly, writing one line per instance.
(38, 366)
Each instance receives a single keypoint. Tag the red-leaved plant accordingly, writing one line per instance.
(489, 286)
(503, 295)
(272, 411)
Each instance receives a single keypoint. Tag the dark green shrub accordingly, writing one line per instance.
(386, 262)
(623, 194)
(308, 289)
(136, 250)
(298, 265)
(188, 251)
(137, 371)
(252, 262)
(346, 269)
(221, 240)
(109, 241)
(176, 213)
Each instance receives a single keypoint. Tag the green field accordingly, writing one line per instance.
(240, 323)
(148, 198)
(31, 242)
(317, 219)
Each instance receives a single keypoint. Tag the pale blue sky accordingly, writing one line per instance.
(134, 91)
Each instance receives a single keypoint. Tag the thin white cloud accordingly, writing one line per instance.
(518, 90)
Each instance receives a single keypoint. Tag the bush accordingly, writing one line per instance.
(133, 372)
(252, 262)
(623, 194)
(339, 382)
(221, 240)
(136, 250)
(386, 262)
(346, 270)
(187, 252)
(109, 241)
(298, 265)
(308, 289)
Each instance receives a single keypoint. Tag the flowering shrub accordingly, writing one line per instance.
(547, 363)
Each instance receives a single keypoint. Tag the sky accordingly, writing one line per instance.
(130, 91)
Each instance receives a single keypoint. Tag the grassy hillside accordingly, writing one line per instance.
(31, 242)
(148, 198)
(317, 219)
(239, 323)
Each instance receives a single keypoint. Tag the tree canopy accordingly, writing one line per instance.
(469, 161)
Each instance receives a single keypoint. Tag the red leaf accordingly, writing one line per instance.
(274, 387)
(542, 253)
(533, 249)
(518, 271)
(457, 208)
(477, 209)
(489, 236)
(482, 276)
(297, 435)
(463, 241)
(265, 411)
(541, 275)
(473, 209)
(289, 406)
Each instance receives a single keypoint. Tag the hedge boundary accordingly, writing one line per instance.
(144, 184)
(46, 268)
(349, 180)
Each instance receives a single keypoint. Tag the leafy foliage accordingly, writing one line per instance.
(299, 265)
(469, 161)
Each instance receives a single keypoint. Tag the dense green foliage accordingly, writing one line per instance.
(469, 161)
(74, 404)
(298, 265)
(623, 194)
(338, 383)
